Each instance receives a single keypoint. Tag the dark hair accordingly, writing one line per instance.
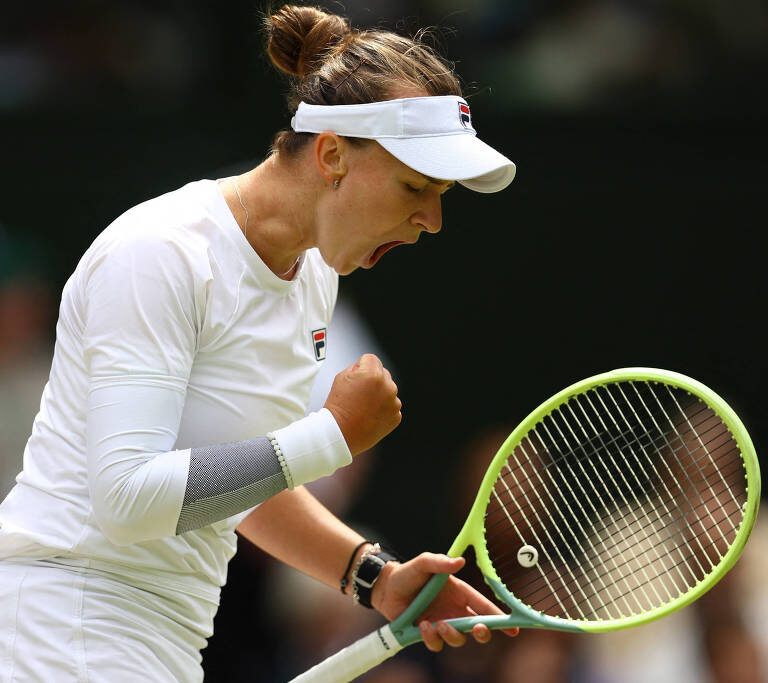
(332, 63)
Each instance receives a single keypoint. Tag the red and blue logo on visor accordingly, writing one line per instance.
(464, 115)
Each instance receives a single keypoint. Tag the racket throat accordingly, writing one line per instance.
(402, 627)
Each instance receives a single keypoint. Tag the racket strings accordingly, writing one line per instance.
(731, 457)
(686, 564)
(705, 527)
(552, 544)
(538, 592)
(614, 480)
(706, 450)
(736, 462)
(672, 523)
(614, 492)
(625, 567)
(555, 462)
(489, 526)
(630, 492)
(684, 490)
(592, 569)
(688, 453)
(572, 544)
(650, 511)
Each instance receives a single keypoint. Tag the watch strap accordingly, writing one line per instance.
(368, 572)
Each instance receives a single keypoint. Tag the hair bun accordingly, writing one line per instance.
(300, 37)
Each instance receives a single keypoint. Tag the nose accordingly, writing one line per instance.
(429, 217)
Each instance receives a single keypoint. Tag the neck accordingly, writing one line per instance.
(276, 213)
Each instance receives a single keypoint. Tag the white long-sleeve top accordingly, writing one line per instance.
(172, 335)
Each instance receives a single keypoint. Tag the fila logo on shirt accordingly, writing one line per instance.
(464, 115)
(318, 342)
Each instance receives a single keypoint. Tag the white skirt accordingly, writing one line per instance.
(67, 624)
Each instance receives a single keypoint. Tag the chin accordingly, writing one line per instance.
(341, 268)
(345, 269)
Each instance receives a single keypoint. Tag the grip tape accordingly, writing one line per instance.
(354, 660)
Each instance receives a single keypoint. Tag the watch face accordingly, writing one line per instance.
(367, 572)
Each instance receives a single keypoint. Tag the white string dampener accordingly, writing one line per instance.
(528, 556)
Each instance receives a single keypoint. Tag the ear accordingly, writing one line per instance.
(330, 156)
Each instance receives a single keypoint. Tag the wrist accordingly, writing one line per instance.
(310, 448)
(341, 423)
(379, 592)
(347, 587)
(367, 573)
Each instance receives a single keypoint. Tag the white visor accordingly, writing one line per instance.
(432, 135)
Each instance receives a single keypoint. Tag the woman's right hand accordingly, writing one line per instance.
(364, 402)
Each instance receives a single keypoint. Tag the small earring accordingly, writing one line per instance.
(336, 184)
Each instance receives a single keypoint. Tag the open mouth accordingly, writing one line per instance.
(379, 251)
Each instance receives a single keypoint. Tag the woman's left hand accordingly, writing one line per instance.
(399, 584)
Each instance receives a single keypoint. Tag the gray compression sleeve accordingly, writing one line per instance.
(229, 478)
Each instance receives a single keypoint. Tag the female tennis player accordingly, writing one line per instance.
(188, 339)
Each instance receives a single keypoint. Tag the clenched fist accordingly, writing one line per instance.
(364, 402)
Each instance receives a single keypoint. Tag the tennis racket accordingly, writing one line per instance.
(619, 500)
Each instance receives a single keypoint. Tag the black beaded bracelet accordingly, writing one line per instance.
(344, 581)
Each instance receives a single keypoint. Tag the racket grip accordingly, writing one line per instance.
(353, 660)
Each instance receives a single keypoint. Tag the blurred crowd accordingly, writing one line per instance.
(558, 53)
(26, 304)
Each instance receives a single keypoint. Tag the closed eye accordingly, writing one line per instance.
(417, 190)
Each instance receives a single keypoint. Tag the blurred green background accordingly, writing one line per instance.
(632, 235)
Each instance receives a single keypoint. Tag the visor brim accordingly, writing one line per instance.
(463, 158)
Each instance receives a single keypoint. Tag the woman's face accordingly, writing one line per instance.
(380, 203)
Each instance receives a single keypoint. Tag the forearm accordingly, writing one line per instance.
(140, 490)
(297, 529)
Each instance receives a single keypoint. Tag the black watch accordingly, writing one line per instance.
(368, 573)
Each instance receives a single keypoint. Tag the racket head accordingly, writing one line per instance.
(648, 530)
